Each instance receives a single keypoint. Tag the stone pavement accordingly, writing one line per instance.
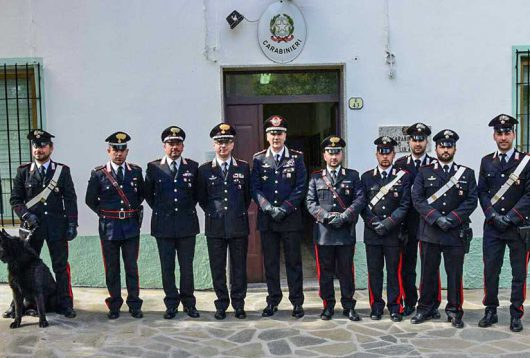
(92, 335)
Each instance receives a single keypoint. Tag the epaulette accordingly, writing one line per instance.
(25, 165)
(296, 151)
(429, 165)
(134, 165)
(318, 171)
(64, 165)
(402, 159)
(241, 160)
(99, 167)
(258, 153)
(155, 161)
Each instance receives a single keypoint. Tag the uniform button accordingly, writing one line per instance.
(502, 198)
(445, 194)
(121, 186)
(176, 199)
(502, 175)
(226, 207)
(502, 209)
(334, 204)
(45, 204)
(383, 208)
(175, 190)
(121, 209)
(276, 181)
(443, 212)
(121, 201)
(276, 192)
(226, 191)
(276, 172)
(226, 183)
(45, 213)
(384, 216)
(226, 199)
(444, 204)
(334, 196)
(176, 209)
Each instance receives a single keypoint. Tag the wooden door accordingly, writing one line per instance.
(248, 122)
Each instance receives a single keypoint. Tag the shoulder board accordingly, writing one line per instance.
(99, 167)
(191, 161)
(296, 151)
(134, 165)
(490, 155)
(402, 159)
(25, 165)
(317, 171)
(261, 152)
(241, 160)
(368, 172)
(155, 161)
(401, 169)
(64, 165)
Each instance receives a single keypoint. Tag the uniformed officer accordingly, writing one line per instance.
(171, 191)
(224, 195)
(418, 139)
(335, 199)
(387, 191)
(278, 186)
(445, 195)
(115, 194)
(44, 197)
(504, 193)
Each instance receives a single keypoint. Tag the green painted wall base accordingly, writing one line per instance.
(87, 265)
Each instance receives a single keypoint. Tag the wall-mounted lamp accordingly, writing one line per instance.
(234, 19)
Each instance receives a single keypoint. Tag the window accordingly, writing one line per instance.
(522, 97)
(20, 111)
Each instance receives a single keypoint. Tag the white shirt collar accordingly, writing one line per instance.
(177, 161)
(273, 153)
(337, 169)
(116, 166)
(508, 153)
(442, 165)
(228, 162)
(387, 170)
(421, 159)
(46, 165)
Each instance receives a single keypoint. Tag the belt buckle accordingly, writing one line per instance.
(121, 215)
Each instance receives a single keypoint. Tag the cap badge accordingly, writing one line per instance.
(174, 130)
(448, 134)
(276, 121)
(224, 127)
(503, 118)
(385, 140)
(120, 137)
(420, 127)
(334, 141)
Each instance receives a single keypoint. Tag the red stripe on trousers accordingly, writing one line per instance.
(370, 294)
(524, 285)
(318, 276)
(400, 281)
(105, 268)
(69, 275)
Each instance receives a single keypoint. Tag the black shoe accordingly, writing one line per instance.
(436, 314)
(10, 312)
(351, 314)
(220, 314)
(113, 314)
(456, 322)
(396, 317)
(192, 312)
(408, 310)
(240, 313)
(269, 310)
(375, 316)
(327, 313)
(420, 317)
(68, 312)
(32, 312)
(170, 313)
(298, 311)
(136, 312)
(515, 324)
(490, 317)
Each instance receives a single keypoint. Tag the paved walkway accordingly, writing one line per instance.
(92, 335)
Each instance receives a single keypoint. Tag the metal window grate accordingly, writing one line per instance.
(522, 98)
(20, 111)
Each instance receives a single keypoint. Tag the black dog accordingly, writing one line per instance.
(28, 277)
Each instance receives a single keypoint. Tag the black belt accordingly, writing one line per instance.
(118, 214)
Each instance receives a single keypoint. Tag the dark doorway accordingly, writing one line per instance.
(310, 101)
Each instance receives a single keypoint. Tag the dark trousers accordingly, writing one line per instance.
(59, 257)
(438, 296)
(376, 258)
(408, 272)
(493, 253)
(217, 251)
(130, 249)
(270, 244)
(184, 249)
(337, 259)
(454, 266)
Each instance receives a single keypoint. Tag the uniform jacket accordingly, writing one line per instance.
(392, 207)
(516, 201)
(321, 201)
(457, 204)
(407, 163)
(283, 185)
(60, 208)
(173, 200)
(225, 201)
(102, 198)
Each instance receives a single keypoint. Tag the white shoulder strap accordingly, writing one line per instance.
(450, 183)
(43, 195)
(385, 189)
(511, 179)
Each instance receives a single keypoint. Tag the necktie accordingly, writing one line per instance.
(42, 172)
(446, 169)
(225, 169)
(120, 174)
(173, 168)
(277, 159)
(333, 176)
(383, 175)
(418, 163)
(503, 158)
